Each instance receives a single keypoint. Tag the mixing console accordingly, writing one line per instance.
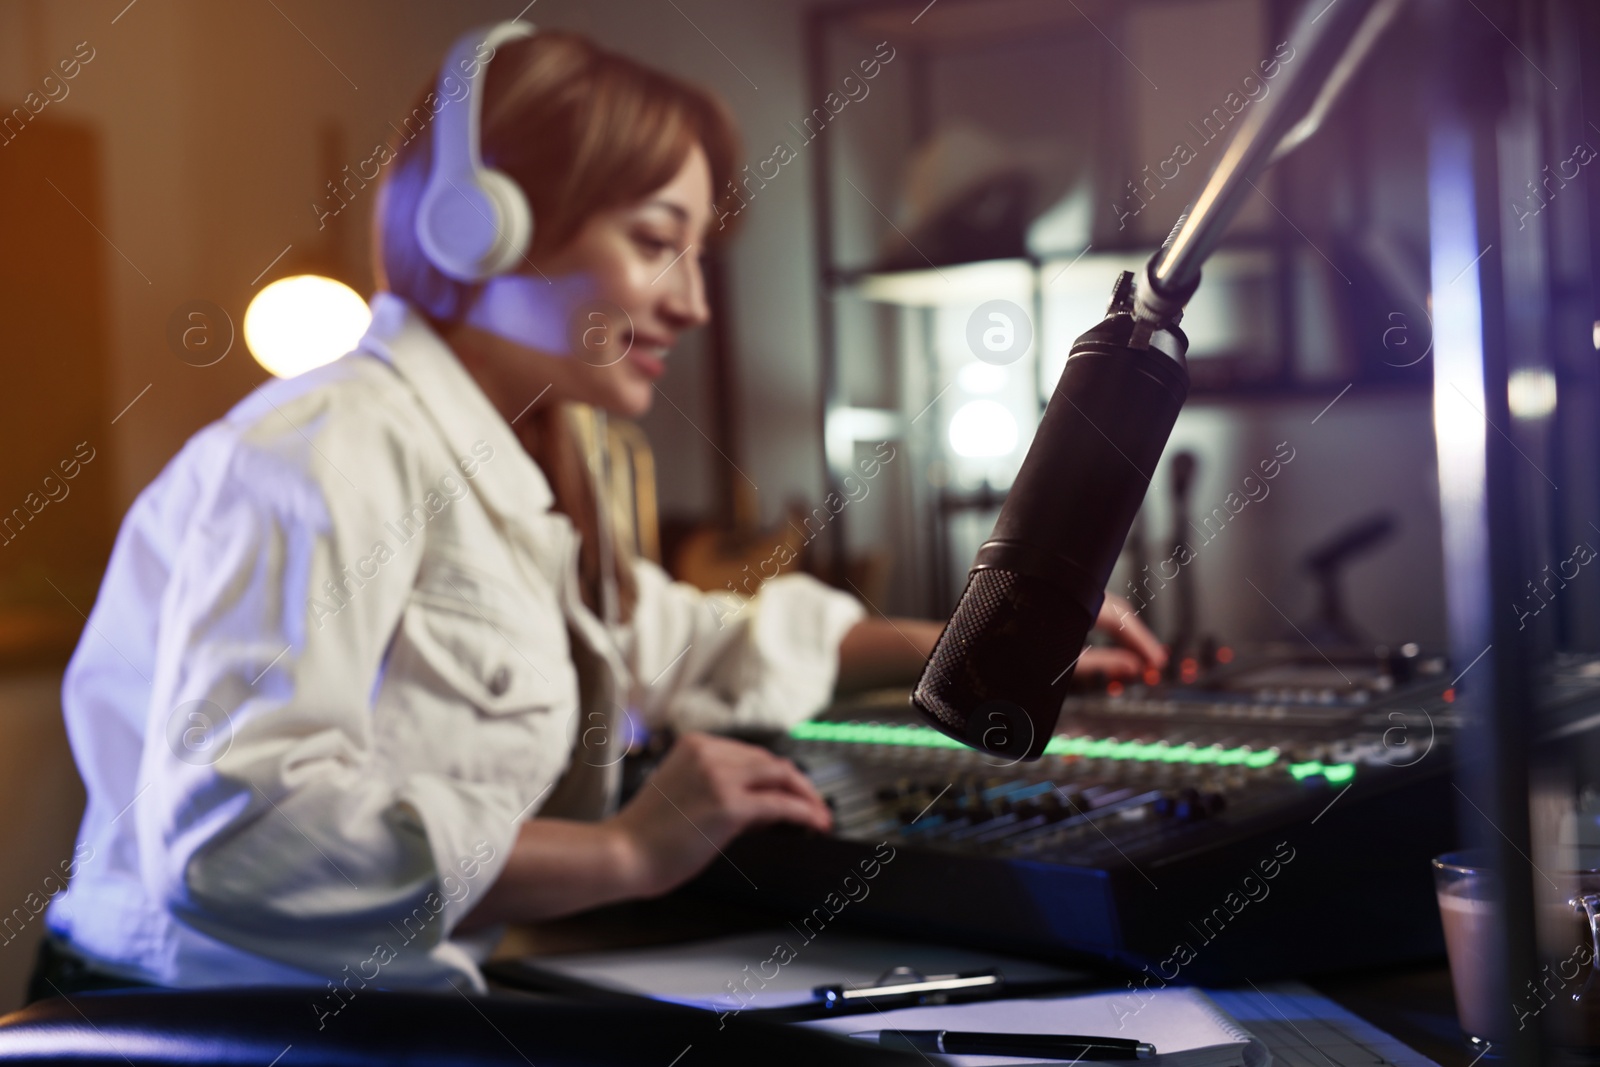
(1146, 823)
(1130, 773)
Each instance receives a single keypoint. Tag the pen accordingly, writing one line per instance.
(943, 988)
(1039, 1046)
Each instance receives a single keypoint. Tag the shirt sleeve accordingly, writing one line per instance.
(714, 661)
(269, 820)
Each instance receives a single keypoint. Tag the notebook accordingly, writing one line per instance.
(1303, 1028)
(1185, 1026)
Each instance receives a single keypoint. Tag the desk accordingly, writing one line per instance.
(634, 924)
(1413, 1004)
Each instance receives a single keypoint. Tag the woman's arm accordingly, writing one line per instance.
(706, 792)
(715, 660)
(558, 867)
(884, 651)
(286, 832)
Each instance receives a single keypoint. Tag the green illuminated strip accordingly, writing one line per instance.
(1089, 748)
(872, 734)
(1337, 773)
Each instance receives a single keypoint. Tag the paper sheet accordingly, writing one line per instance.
(776, 968)
(1177, 1021)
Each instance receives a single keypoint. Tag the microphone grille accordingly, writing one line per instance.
(950, 681)
(1003, 661)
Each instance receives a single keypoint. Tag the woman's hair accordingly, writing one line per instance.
(581, 130)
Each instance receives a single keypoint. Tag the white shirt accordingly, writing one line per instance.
(329, 673)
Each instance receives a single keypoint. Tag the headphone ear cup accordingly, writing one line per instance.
(514, 235)
(475, 226)
(472, 222)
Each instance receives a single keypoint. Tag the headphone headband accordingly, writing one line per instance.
(473, 222)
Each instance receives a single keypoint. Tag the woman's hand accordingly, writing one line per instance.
(705, 793)
(1139, 651)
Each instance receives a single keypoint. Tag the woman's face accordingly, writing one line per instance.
(597, 318)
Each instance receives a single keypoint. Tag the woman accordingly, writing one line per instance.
(350, 696)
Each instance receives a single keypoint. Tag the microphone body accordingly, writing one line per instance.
(999, 672)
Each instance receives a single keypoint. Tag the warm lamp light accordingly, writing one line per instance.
(303, 322)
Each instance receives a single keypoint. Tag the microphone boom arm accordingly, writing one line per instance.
(1328, 47)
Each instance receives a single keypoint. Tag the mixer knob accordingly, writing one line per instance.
(1213, 803)
(1184, 805)
(1189, 806)
(1400, 664)
(903, 787)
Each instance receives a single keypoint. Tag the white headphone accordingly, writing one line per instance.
(473, 222)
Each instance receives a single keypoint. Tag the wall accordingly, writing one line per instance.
(1367, 454)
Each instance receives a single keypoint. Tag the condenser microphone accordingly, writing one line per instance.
(999, 672)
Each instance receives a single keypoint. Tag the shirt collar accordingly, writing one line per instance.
(512, 484)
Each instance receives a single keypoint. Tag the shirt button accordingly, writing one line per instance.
(500, 681)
